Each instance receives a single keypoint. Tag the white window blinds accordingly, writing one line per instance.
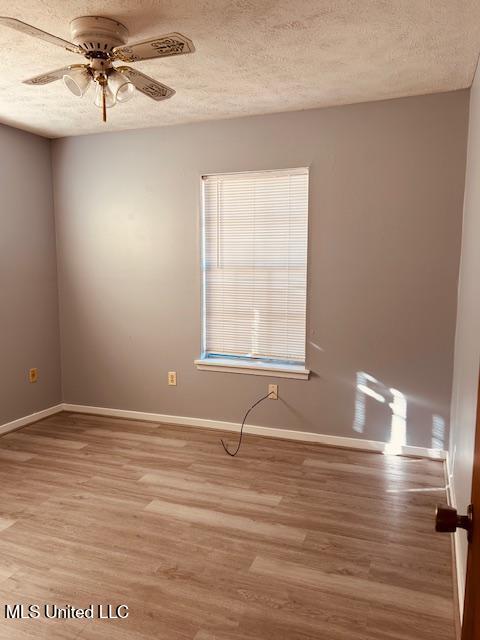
(255, 228)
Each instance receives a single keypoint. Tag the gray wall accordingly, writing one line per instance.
(467, 342)
(387, 183)
(29, 333)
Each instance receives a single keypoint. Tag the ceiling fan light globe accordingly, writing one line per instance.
(121, 85)
(125, 92)
(109, 96)
(77, 81)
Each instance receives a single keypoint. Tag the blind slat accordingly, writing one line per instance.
(255, 229)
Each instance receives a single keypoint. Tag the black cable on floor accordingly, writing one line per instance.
(243, 424)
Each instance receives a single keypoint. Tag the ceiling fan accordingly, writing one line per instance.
(102, 41)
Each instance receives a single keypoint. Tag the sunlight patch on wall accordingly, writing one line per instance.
(397, 405)
(364, 390)
(369, 388)
(438, 432)
(398, 430)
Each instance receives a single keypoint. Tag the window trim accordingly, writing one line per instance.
(229, 364)
(253, 367)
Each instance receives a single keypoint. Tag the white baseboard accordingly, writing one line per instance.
(459, 576)
(33, 417)
(288, 434)
(272, 432)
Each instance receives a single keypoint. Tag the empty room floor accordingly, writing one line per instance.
(287, 541)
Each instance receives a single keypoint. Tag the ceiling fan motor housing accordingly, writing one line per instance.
(98, 35)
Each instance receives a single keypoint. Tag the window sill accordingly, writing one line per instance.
(272, 370)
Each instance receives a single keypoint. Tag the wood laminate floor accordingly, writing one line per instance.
(288, 541)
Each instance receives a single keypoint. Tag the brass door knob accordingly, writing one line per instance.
(447, 520)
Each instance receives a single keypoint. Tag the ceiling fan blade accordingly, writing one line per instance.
(51, 76)
(145, 84)
(173, 44)
(23, 27)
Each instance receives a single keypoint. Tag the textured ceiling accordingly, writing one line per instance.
(252, 57)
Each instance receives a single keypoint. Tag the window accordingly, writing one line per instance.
(254, 266)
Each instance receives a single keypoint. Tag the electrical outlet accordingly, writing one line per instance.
(172, 378)
(273, 391)
(33, 375)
